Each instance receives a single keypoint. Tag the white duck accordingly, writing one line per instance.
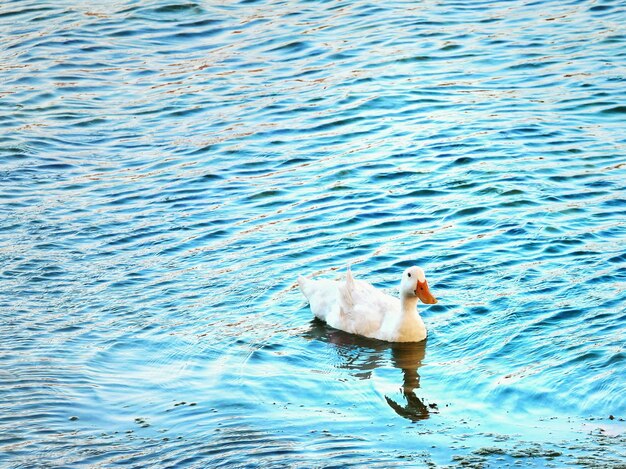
(357, 307)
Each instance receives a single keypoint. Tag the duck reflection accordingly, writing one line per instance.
(362, 355)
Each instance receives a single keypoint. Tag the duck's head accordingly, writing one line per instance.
(414, 284)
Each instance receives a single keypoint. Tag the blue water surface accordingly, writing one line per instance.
(169, 167)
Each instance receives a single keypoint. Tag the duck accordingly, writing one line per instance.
(357, 307)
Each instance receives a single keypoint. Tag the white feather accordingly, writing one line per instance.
(357, 307)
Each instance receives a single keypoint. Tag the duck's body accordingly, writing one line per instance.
(357, 307)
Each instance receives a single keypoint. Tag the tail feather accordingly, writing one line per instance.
(305, 286)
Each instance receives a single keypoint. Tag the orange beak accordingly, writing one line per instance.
(424, 294)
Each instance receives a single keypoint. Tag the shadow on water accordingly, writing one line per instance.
(362, 355)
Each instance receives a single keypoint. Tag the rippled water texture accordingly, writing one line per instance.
(169, 168)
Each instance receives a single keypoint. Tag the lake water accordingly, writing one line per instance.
(168, 168)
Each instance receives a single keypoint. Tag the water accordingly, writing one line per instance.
(168, 168)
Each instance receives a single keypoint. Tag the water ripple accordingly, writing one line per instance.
(168, 168)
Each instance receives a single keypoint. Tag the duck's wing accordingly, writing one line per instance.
(345, 293)
(363, 307)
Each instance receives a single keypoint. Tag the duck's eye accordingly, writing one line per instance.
(409, 274)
